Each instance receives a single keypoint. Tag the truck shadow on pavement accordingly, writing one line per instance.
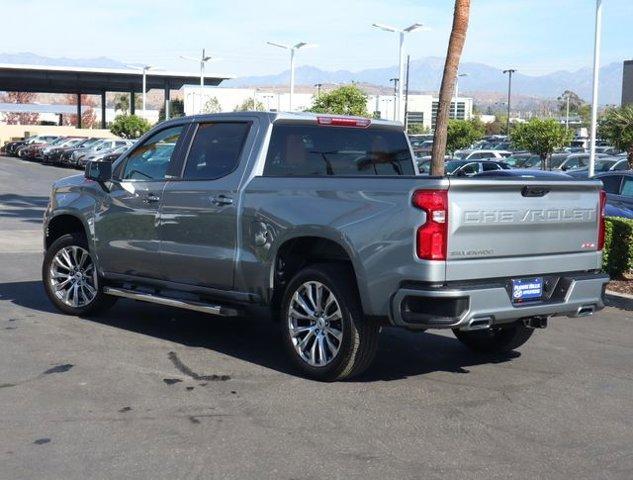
(257, 340)
(23, 207)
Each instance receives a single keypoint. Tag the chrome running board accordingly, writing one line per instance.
(172, 302)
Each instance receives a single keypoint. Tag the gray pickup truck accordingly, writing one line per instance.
(323, 221)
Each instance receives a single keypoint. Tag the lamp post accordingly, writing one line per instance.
(510, 71)
(203, 60)
(457, 90)
(396, 82)
(401, 33)
(144, 70)
(594, 97)
(293, 49)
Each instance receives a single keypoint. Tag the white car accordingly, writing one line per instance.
(482, 154)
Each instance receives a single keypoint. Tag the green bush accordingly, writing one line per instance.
(617, 256)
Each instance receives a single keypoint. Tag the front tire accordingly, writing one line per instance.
(324, 329)
(495, 339)
(70, 277)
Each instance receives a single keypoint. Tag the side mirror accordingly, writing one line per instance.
(100, 172)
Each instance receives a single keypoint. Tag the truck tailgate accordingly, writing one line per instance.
(500, 228)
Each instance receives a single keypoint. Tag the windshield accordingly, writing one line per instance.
(311, 150)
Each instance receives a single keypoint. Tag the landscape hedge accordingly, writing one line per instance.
(617, 256)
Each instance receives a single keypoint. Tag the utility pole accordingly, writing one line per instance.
(510, 71)
(395, 97)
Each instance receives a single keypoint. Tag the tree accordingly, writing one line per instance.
(463, 133)
(575, 102)
(495, 128)
(345, 100)
(212, 105)
(88, 115)
(20, 118)
(122, 102)
(129, 126)
(250, 105)
(453, 55)
(616, 126)
(540, 136)
(176, 109)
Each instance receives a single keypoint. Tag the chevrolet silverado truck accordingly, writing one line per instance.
(323, 221)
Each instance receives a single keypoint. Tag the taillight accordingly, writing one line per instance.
(601, 228)
(432, 237)
(344, 122)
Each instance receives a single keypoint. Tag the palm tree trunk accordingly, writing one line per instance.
(453, 55)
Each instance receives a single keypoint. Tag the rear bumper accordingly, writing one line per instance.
(489, 303)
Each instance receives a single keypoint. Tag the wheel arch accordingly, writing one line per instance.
(301, 250)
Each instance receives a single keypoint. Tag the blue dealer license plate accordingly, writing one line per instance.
(526, 289)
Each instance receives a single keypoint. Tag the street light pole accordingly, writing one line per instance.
(567, 113)
(457, 90)
(203, 60)
(292, 49)
(395, 97)
(594, 98)
(510, 71)
(401, 33)
(318, 89)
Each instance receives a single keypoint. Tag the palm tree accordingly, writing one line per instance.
(616, 126)
(455, 47)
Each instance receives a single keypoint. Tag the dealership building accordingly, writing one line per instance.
(421, 108)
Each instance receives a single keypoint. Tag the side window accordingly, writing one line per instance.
(627, 187)
(150, 160)
(488, 166)
(215, 151)
(470, 169)
(612, 184)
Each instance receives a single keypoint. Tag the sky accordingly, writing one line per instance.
(533, 36)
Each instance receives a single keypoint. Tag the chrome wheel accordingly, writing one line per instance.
(73, 277)
(315, 322)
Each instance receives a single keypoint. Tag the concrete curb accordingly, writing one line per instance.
(619, 300)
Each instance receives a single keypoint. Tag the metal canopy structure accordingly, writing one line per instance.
(95, 81)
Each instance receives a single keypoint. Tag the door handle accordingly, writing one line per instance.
(221, 200)
(151, 198)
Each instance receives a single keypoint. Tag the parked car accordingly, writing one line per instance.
(619, 189)
(602, 165)
(524, 160)
(34, 150)
(468, 168)
(482, 154)
(50, 153)
(422, 147)
(576, 161)
(65, 156)
(79, 157)
(114, 154)
(98, 150)
(12, 147)
(56, 155)
(424, 163)
(321, 220)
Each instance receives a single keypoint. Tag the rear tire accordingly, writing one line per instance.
(323, 325)
(496, 339)
(70, 277)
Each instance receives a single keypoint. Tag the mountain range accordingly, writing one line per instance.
(425, 75)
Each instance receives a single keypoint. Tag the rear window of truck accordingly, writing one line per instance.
(315, 150)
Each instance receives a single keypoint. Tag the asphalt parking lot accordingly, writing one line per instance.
(152, 392)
